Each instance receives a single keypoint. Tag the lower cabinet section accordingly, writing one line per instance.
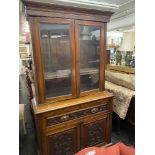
(66, 130)
(91, 132)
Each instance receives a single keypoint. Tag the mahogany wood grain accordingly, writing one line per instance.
(94, 127)
(121, 69)
(74, 118)
(77, 58)
(80, 123)
(102, 57)
(37, 57)
(51, 10)
(71, 102)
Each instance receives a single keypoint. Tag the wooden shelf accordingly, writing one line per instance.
(66, 73)
(124, 69)
(112, 46)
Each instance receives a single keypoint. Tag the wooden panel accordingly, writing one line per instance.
(65, 142)
(77, 58)
(51, 10)
(122, 69)
(103, 56)
(73, 103)
(94, 131)
(38, 125)
(82, 117)
(75, 115)
(37, 57)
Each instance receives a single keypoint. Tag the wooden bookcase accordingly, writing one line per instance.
(71, 108)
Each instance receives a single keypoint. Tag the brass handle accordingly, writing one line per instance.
(94, 110)
(64, 118)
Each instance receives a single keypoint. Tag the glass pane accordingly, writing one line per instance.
(89, 57)
(55, 45)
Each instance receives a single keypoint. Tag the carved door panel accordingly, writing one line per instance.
(94, 132)
(63, 143)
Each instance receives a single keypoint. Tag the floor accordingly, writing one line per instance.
(126, 134)
(28, 143)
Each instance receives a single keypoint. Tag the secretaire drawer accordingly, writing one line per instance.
(75, 115)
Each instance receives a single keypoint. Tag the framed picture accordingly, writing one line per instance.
(23, 52)
(23, 55)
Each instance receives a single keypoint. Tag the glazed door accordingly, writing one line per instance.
(90, 48)
(69, 57)
(55, 58)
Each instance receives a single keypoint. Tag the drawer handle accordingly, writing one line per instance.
(94, 110)
(64, 118)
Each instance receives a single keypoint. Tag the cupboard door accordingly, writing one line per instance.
(89, 50)
(63, 143)
(94, 132)
(57, 62)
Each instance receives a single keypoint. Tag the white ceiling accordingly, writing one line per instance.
(107, 5)
(116, 2)
(124, 18)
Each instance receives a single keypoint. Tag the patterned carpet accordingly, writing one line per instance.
(28, 143)
(126, 134)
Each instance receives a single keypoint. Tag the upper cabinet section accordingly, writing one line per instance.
(39, 9)
(69, 47)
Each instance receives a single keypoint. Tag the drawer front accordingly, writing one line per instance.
(75, 115)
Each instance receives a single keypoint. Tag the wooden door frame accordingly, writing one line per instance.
(102, 55)
(38, 60)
